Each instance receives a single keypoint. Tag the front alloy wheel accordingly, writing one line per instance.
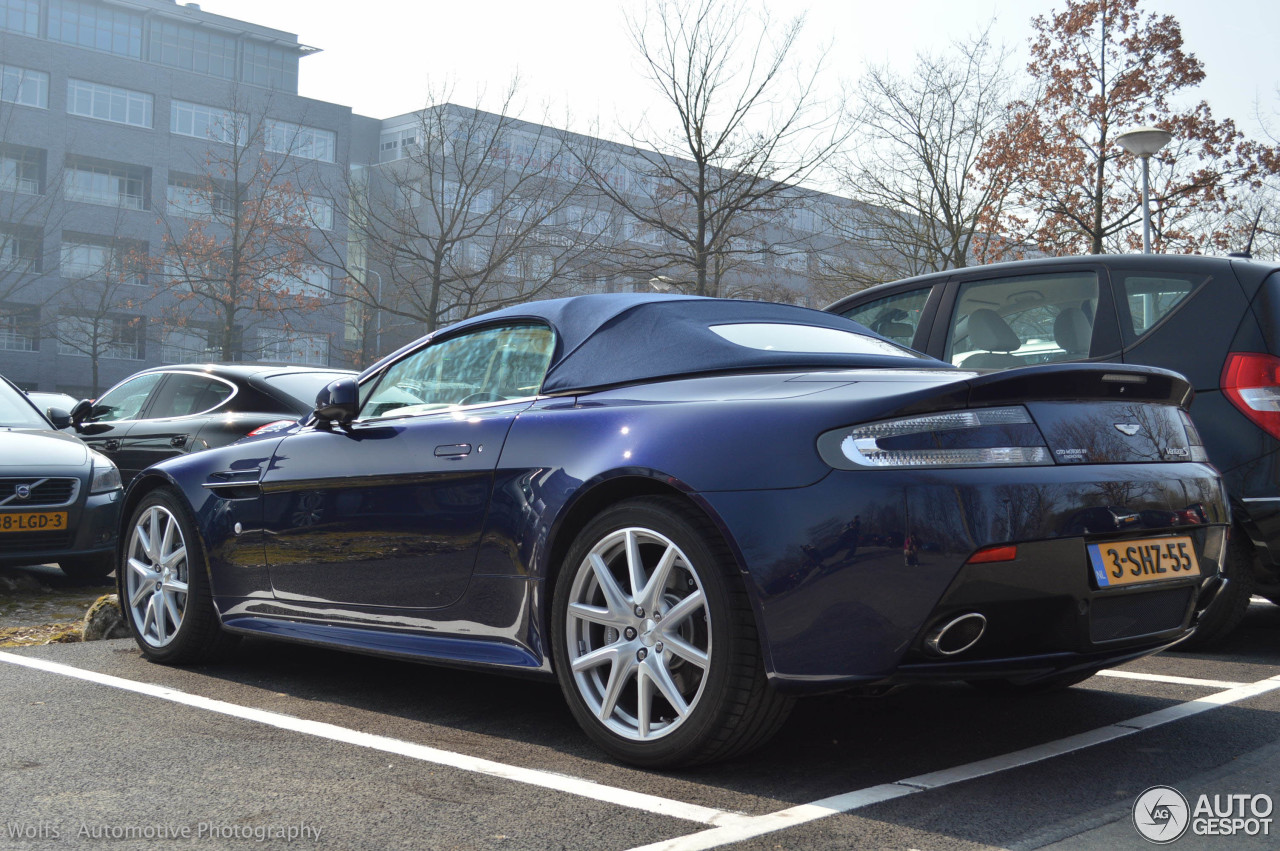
(164, 584)
(655, 644)
(156, 575)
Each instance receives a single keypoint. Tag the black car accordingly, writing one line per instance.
(689, 510)
(59, 500)
(1216, 320)
(172, 410)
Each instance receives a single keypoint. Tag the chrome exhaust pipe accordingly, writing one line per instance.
(957, 635)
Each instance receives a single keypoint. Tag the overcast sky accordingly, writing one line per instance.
(378, 55)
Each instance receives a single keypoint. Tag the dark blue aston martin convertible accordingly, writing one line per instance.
(689, 511)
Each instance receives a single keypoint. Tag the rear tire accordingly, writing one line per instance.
(1228, 609)
(655, 643)
(164, 584)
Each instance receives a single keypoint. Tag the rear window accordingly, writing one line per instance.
(303, 386)
(779, 337)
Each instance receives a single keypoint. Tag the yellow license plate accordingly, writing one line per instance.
(1136, 562)
(31, 521)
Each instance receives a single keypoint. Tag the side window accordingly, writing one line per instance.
(189, 394)
(1151, 297)
(1022, 320)
(488, 365)
(896, 317)
(124, 402)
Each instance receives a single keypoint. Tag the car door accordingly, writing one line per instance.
(178, 409)
(114, 415)
(1046, 314)
(388, 512)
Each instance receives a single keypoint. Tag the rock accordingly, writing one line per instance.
(105, 620)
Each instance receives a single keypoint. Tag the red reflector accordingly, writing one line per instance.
(987, 555)
(1251, 381)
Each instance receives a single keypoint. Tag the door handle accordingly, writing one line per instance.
(111, 445)
(453, 450)
(178, 440)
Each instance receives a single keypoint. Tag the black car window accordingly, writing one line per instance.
(16, 411)
(1151, 297)
(303, 386)
(187, 394)
(124, 401)
(488, 365)
(896, 316)
(1015, 321)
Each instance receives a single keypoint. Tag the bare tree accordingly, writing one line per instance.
(102, 288)
(701, 189)
(235, 228)
(470, 211)
(913, 174)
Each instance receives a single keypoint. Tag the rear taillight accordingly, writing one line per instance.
(1251, 380)
(278, 425)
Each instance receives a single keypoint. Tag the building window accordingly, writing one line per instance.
(311, 281)
(20, 16)
(97, 27)
(18, 329)
(93, 258)
(297, 140)
(112, 185)
(20, 250)
(397, 144)
(187, 345)
(20, 170)
(206, 122)
(24, 86)
(277, 344)
(108, 103)
(273, 67)
(192, 49)
(197, 198)
(114, 337)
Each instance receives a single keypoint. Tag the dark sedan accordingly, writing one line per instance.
(689, 511)
(1215, 320)
(59, 500)
(172, 410)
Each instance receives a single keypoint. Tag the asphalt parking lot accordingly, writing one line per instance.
(288, 745)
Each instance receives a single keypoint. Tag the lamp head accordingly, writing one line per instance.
(1144, 141)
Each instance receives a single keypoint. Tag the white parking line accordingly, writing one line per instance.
(530, 776)
(750, 827)
(1164, 678)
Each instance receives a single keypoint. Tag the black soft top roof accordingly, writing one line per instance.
(609, 340)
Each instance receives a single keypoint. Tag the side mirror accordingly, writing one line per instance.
(60, 418)
(338, 402)
(81, 412)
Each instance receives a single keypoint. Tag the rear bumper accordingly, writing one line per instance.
(849, 576)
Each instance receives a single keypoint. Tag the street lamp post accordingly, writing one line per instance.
(1145, 142)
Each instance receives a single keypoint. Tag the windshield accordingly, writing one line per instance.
(16, 411)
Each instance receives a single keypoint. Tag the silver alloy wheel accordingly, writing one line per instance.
(156, 576)
(638, 634)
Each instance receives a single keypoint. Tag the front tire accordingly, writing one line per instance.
(164, 584)
(654, 641)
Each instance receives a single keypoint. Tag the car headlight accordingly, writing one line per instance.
(105, 475)
(979, 437)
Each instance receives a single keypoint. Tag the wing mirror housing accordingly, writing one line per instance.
(81, 412)
(338, 402)
(58, 417)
